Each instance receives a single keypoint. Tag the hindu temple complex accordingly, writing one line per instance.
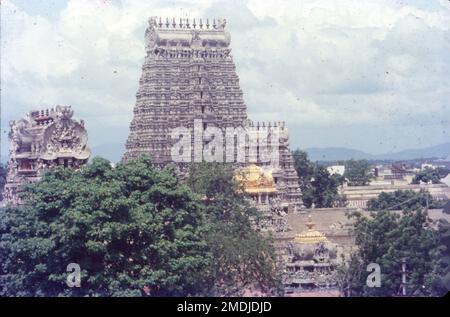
(189, 81)
(189, 95)
(41, 140)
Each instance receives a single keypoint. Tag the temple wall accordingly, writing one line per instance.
(358, 196)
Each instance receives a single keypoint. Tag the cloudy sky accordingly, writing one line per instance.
(368, 75)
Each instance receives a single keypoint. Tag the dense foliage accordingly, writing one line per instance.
(318, 187)
(433, 175)
(403, 199)
(243, 257)
(358, 172)
(129, 228)
(134, 230)
(442, 286)
(2, 179)
(386, 238)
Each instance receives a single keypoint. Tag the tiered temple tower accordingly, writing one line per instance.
(188, 77)
(43, 139)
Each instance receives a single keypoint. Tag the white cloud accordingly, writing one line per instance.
(315, 64)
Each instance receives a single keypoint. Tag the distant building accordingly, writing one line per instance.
(41, 140)
(391, 175)
(446, 180)
(336, 169)
(427, 166)
(358, 196)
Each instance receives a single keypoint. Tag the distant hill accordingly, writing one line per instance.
(338, 153)
(439, 151)
(114, 152)
(335, 154)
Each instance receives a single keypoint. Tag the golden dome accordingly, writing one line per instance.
(255, 180)
(311, 235)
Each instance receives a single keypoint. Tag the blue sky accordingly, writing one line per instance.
(45, 8)
(369, 75)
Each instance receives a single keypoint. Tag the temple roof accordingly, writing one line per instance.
(311, 235)
(49, 134)
(185, 33)
(255, 180)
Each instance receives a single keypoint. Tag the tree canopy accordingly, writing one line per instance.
(358, 172)
(2, 179)
(403, 199)
(442, 285)
(129, 228)
(318, 187)
(243, 257)
(432, 175)
(134, 230)
(386, 238)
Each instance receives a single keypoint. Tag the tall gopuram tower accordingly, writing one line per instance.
(189, 81)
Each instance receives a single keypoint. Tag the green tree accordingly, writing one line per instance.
(432, 175)
(318, 187)
(358, 172)
(2, 179)
(129, 228)
(386, 238)
(442, 284)
(242, 256)
(403, 199)
(325, 189)
(304, 168)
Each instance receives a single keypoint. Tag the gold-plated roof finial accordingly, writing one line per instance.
(311, 235)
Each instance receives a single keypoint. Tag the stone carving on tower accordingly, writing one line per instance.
(41, 140)
(189, 81)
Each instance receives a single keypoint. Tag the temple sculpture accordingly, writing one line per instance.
(311, 262)
(43, 139)
(189, 94)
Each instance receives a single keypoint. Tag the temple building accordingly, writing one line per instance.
(260, 186)
(41, 140)
(311, 262)
(189, 94)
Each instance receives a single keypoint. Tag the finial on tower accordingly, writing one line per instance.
(310, 224)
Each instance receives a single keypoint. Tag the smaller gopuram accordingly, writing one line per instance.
(43, 139)
(310, 263)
